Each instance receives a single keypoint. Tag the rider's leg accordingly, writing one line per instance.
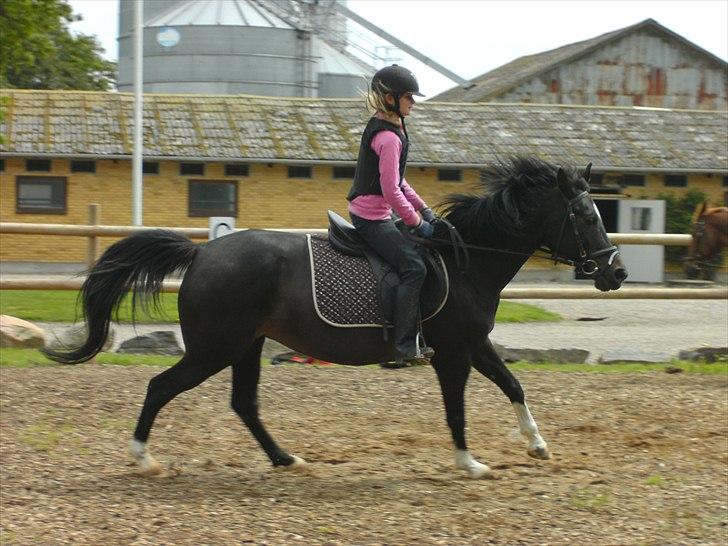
(387, 241)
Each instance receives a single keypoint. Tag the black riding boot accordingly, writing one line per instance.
(406, 311)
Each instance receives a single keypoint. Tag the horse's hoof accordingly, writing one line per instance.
(480, 472)
(297, 464)
(151, 469)
(541, 452)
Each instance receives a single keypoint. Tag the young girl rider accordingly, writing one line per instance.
(380, 187)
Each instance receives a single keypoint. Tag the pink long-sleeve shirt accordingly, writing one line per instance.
(403, 199)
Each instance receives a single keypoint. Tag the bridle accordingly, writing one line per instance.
(698, 232)
(586, 260)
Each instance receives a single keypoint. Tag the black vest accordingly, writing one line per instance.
(366, 177)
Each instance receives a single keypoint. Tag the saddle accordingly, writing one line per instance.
(353, 286)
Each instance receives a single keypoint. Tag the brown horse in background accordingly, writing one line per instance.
(710, 236)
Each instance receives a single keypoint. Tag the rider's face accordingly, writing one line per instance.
(406, 102)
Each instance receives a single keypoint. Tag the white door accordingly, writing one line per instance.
(645, 263)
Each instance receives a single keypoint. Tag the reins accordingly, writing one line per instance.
(460, 247)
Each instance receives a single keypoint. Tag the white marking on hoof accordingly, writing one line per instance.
(297, 464)
(465, 461)
(537, 447)
(540, 452)
(148, 465)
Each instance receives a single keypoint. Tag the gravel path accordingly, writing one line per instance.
(650, 330)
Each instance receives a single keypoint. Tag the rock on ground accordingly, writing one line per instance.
(19, 333)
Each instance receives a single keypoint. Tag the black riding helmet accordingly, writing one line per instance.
(397, 80)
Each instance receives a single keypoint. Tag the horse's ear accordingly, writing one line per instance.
(587, 172)
(562, 181)
(699, 210)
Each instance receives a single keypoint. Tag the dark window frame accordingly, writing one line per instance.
(635, 180)
(2, 164)
(725, 180)
(343, 172)
(301, 169)
(191, 168)
(237, 169)
(150, 167)
(675, 181)
(449, 175)
(60, 181)
(81, 166)
(38, 165)
(193, 212)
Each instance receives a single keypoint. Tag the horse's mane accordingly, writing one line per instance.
(514, 190)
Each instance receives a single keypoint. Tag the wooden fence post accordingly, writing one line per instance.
(94, 219)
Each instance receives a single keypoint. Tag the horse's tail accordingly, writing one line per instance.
(137, 263)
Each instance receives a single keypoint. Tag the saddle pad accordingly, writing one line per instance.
(344, 288)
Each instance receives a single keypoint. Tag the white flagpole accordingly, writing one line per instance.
(137, 177)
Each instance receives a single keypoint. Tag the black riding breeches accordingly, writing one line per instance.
(399, 252)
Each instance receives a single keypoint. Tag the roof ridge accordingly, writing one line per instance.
(570, 52)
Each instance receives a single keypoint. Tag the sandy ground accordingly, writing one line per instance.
(638, 459)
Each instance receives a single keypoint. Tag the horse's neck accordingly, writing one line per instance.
(716, 222)
(495, 268)
(718, 218)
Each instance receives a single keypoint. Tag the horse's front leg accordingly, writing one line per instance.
(452, 373)
(487, 362)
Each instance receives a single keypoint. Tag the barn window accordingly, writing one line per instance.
(212, 198)
(633, 179)
(676, 180)
(640, 218)
(2, 165)
(78, 166)
(38, 165)
(150, 167)
(237, 169)
(192, 168)
(725, 181)
(40, 195)
(344, 172)
(449, 175)
(299, 172)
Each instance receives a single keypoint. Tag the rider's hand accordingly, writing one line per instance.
(428, 216)
(425, 230)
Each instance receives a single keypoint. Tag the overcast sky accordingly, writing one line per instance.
(471, 37)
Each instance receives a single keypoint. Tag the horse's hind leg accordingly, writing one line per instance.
(487, 362)
(183, 376)
(246, 375)
(452, 372)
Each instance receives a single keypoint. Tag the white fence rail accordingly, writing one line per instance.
(93, 231)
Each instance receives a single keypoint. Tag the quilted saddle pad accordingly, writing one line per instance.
(345, 290)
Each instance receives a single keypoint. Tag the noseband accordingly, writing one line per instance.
(699, 231)
(586, 261)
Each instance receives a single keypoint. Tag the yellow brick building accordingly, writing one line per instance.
(281, 163)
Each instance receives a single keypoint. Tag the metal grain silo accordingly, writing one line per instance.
(231, 47)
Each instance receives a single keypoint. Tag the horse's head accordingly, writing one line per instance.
(708, 238)
(574, 231)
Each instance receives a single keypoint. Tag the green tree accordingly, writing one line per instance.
(39, 51)
(679, 218)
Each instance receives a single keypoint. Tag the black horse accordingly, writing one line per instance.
(244, 287)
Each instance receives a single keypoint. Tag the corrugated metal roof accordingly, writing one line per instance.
(218, 12)
(506, 77)
(247, 128)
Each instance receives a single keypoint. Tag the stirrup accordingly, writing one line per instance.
(423, 351)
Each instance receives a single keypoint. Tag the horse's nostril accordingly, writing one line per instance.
(620, 274)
